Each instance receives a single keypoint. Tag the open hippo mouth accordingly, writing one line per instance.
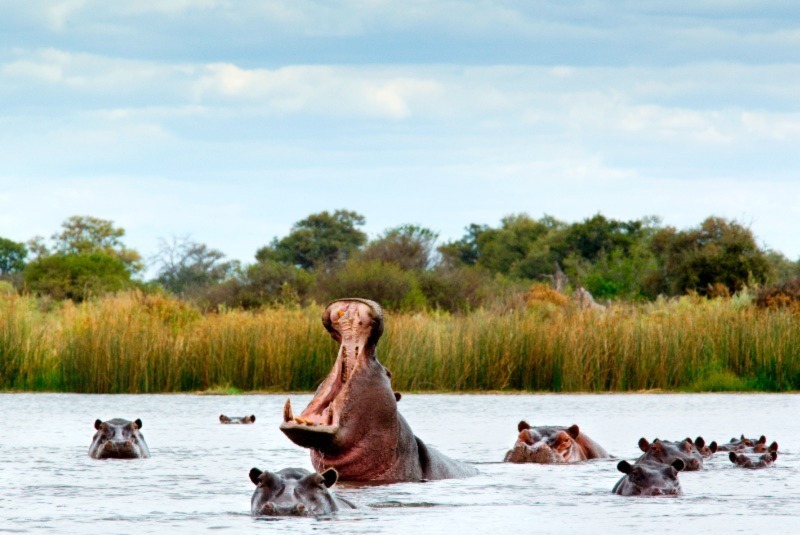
(356, 324)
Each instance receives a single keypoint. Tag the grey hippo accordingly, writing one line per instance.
(118, 439)
(665, 452)
(237, 419)
(553, 445)
(295, 492)
(649, 479)
(352, 424)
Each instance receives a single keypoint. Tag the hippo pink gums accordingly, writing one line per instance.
(352, 423)
(553, 445)
(118, 439)
(295, 492)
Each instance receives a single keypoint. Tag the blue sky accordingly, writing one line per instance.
(230, 120)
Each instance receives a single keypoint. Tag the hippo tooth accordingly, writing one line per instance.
(288, 416)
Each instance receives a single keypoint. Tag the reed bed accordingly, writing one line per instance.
(131, 343)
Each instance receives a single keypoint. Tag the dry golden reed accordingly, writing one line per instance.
(133, 342)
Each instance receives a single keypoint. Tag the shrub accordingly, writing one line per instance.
(76, 276)
(786, 295)
(388, 284)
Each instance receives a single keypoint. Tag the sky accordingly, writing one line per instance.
(228, 121)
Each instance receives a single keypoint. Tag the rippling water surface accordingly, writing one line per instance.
(197, 479)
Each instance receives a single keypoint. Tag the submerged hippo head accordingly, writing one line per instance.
(665, 452)
(294, 491)
(549, 445)
(118, 439)
(745, 444)
(649, 479)
(754, 462)
(705, 450)
(237, 419)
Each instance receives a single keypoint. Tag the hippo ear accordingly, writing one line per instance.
(762, 440)
(330, 476)
(574, 431)
(398, 396)
(252, 417)
(624, 467)
(222, 418)
(644, 445)
(138, 423)
(98, 423)
(732, 457)
(699, 443)
(713, 446)
(773, 447)
(522, 425)
(678, 465)
(255, 473)
(774, 455)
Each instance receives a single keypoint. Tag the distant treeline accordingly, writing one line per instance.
(406, 268)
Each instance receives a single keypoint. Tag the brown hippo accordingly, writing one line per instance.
(237, 419)
(742, 443)
(295, 492)
(552, 445)
(665, 452)
(352, 423)
(745, 461)
(649, 479)
(705, 450)
(118, 439)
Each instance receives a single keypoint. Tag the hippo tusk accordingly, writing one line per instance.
(288, 416)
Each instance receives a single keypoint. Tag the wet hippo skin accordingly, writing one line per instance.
(753, 461)
(295, 492)
(118, 439)
(553, 445)
(666, 451)
(649, 479)
(237, 419)
(352, 424)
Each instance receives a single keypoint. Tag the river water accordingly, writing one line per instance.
(197, 479)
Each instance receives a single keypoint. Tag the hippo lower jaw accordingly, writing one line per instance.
(119, 452)
(320, 437)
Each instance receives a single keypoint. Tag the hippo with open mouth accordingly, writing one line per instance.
(754, 463)
(649, 479)
(118, 439)
(352, 423)
(237, 419)
(553, 445)
(295, 492)
(666, 452)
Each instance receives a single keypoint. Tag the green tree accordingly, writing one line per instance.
(717, 251)
(76, 276)
(82, 235)
(388, 284)
(410, 247)
(12, 256)
(319, 241)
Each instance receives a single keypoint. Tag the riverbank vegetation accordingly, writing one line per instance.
(503, 308)
(134, 342)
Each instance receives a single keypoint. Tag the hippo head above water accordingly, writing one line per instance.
(118, 439)
(295, 492)
(553, 445)
(352, 423)
(705, 450)
(666, 452)
(237, 419)
(762, 461)
(745, 444)
(649, 479)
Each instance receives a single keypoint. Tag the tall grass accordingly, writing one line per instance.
(138, 343)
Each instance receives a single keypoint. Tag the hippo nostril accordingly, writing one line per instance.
(128, 444)
(299, 509)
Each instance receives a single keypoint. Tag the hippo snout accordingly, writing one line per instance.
(271, 509)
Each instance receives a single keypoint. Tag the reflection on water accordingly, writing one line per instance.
(197, 479)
